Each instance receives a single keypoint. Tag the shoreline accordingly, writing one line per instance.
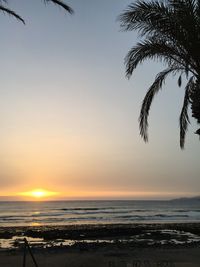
(98, 235)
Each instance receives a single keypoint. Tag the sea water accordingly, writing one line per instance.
(97, 212)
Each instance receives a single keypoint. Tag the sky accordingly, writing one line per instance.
(69, 116)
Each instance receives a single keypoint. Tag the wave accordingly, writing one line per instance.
(151, 217)
(186, 210)
(95, 213)
(83, 216)
(118, 209)
(71, 209)
(171, 216)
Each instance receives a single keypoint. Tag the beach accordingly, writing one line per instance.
(91, 174)
(167, 244)
(108, 257)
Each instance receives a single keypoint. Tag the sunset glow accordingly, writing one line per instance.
(69, 120)
(38, 193)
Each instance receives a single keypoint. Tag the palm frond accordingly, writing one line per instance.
(152, 49)
(170, 33)
(61, 4)
(144, 16)
(11, 13)
(180, 81)
(195, 101)
(198, 10)
(144, 113)
(161, 19)
(184, 119)
(169, 18)
(152, 17)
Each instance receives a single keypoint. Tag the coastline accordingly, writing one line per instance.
(137, 234)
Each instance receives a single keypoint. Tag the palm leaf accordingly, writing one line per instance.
(170, 33)
(61, 4)
(153, 49)
(172, 25)
(11, 12)
(14, 14)
(145, 17)
(144, 113)
(180, 81)
(184, 119)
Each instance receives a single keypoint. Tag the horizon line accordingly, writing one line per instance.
(132, 199)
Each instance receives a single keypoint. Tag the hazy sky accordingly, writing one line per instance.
(69, 117)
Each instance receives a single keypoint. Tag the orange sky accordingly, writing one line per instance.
(69, 117)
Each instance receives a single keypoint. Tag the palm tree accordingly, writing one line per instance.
(12, 13)
(170, 32)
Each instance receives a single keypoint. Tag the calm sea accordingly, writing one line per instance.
(96, 212)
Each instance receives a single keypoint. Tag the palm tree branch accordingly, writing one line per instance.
(153, 49)
(184, 119)
(159, 16)
(144, 16)
(146, 104)
(12, 13)
(61, 4)
(164, 20)
(188, 25)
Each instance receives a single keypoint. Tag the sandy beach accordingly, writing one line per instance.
(136, 245)
(108, 257)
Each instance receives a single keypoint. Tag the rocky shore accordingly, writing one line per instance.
(137, 235)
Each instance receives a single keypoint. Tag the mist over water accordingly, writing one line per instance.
(96, 212)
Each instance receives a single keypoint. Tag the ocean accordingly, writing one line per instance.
(97, 212)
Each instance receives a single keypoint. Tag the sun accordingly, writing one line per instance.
(38, 193)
